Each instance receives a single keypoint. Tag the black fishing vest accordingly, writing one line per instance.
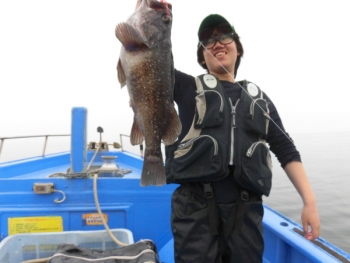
(252, 158)
(223, 134)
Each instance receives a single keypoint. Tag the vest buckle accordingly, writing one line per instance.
(208, 190)
(244, 196)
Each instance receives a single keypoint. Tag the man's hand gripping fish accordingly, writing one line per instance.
(146, 67)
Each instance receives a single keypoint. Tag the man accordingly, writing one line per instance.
(238, 207)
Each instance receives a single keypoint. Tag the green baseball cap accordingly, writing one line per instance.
(212, 21)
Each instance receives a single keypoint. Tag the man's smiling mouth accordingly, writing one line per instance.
(220, 54)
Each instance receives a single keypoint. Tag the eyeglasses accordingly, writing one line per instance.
(224, 39)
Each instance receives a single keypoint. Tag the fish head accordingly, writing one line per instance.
(152, 19)
(146, 33)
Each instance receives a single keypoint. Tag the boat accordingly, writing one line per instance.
(45, 199)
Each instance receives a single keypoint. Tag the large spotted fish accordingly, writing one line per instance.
(146, 67)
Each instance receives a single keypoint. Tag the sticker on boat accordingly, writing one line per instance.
(94, 219)
(40, 224)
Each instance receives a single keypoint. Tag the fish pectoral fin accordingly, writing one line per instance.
(121, 74)
(173, 129)
(129, 37)
(136, 136)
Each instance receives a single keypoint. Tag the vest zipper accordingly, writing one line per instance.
(253, 147)
(221, 99)
(252, 105)
(266, 114)
(199, 137)
(233, 126)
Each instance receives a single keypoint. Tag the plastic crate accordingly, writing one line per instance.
(22, 247)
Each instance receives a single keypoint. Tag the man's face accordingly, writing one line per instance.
(220, 55)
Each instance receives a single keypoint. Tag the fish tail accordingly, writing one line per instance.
(153, 172)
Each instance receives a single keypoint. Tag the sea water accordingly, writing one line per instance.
(326, 159)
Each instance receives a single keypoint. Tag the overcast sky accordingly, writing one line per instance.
(59, 54)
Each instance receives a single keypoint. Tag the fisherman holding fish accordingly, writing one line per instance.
(222, 221)
(220, 159)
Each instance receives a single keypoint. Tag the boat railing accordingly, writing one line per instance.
(122, 147)
(121, 140)
(46, 137)
(2, 140)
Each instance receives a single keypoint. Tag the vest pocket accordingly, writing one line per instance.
(209, 109)
(197, 160)
(258, 118)
(256, 174)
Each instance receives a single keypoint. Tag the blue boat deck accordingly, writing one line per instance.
(145, 211)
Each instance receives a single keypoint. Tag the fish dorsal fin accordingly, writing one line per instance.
(136, 136)
(129, 37)
(121, 74)
(173, 129)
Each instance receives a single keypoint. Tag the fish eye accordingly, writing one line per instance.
(166, 18)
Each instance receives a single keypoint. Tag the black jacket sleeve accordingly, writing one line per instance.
(184, 96)
(281, 144)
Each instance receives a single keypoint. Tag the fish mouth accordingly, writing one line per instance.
(158, 6)
(154, 4)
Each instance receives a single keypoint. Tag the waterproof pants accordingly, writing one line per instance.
(193, 242)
